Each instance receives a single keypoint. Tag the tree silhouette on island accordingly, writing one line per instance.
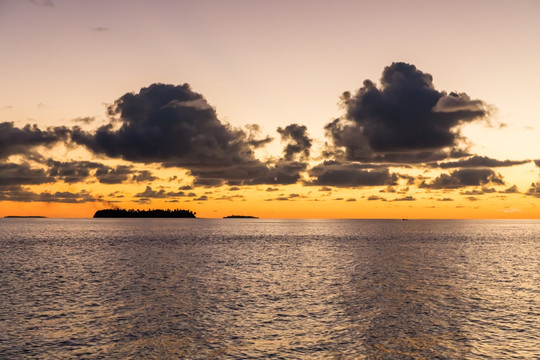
(157, 213)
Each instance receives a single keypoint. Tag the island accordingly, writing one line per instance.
(24, 217)
(240, 217)
(157, 213)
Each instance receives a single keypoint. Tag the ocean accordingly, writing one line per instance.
(258, 289)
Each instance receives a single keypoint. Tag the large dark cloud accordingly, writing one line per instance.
(14, 140)
(405, 119)
(175, 126)
(335, 173)
(480, 161)
(167, 124)
(537, 162)
(299, 142)
(464, 177)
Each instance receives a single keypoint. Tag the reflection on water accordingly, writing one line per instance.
(244, 288)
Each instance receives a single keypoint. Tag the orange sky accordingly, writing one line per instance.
(465, 79)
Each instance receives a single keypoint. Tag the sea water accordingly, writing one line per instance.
(257, 289)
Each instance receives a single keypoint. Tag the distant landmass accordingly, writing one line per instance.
(24, 217)
(240, 217)
(158, 213)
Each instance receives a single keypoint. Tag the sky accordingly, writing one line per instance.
(276, 109)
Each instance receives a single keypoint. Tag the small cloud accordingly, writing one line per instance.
(445, 199)
(100, 28)
(272, 189)
(84, 120)
(325, 188)
(374, 197)
(351, 199)
(405, 198)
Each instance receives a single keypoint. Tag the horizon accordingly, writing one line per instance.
(281, 110)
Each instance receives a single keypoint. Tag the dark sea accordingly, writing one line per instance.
(261, 289)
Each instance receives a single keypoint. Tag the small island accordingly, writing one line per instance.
(24, 217)
(157, 213)
(240, 217)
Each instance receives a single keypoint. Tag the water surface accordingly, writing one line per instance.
(251, 288)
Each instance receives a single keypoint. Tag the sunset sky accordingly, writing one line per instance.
(277, 109)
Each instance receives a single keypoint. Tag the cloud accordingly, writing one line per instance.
(167, 124)
(299, 143)
(464, 177)
(534, 190)
(22, 174)
(254, 131)
(100, 28)
(348, 174)
(511, 190)
(84, 120)
(537, 162)
(77, 171)
(175, 126)
(144, 176)
(107, 175)
(404, 198)
(405, 119)
(374, 197)
(18, 193)
(72, 171)
(161, 194)
(480, 161)
(14, 140)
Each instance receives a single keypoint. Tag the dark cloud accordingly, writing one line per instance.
(537, 162)
(511, 190)
(404, 198)
(72, 171)
(77, 171)
(374, 197)
(254, 131)
(108, 175)
(445, 199)
(167, 124)
(100, 28)
(481, 161)
(144, 176)
(14, 140)
(534, 190)
(22, 174)
(299, 143)
(405, 119)
(84, 120)
(18, 193)
(175, 126)
(464, 177)
(161, 194)
(347, 174)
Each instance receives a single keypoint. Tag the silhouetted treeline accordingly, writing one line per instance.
(158, 213)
